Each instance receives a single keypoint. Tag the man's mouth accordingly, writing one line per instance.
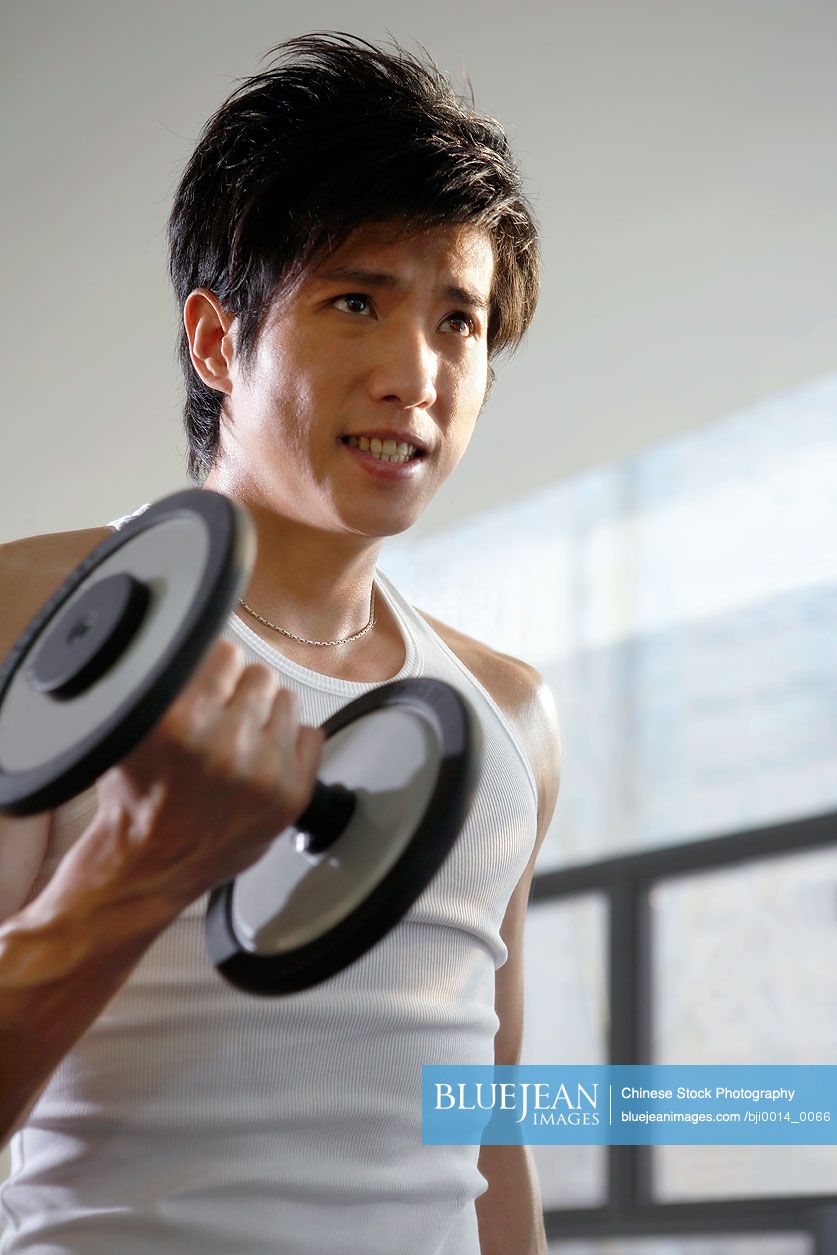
(384, 450)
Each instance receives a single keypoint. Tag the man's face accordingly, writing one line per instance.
(354, 356)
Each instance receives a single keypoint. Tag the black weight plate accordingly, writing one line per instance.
(387, 761)
(194, 550)
(268, 960)
(89, 636)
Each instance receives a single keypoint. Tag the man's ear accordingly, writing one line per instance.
(209, 331)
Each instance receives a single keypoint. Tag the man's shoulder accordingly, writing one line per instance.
(512, 683)
(522, 695)
(31, 568)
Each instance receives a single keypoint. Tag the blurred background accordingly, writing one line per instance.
(647, 512)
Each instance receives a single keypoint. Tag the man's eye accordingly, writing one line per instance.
(353, 296)
(466, 318)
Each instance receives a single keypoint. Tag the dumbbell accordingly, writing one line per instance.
(100, 663)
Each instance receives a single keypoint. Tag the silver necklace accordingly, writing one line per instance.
(344, 640)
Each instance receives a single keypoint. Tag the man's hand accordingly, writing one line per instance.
(226, 769)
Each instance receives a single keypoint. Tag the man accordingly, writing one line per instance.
(349, 244)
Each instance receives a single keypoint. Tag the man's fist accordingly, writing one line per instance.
(223, 772)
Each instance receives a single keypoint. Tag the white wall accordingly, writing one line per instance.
(680, 157)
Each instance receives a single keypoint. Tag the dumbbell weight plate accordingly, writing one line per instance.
(409, 752)
(63, 723)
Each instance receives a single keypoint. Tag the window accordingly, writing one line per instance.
(682, 606)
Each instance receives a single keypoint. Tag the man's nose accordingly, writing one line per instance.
(405, 367)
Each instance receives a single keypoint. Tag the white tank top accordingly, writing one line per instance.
(193, 1117)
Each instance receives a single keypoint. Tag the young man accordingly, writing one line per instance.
(349, 245)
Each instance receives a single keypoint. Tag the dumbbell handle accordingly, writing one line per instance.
(325, 818)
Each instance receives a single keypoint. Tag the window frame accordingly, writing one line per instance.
(625, 883)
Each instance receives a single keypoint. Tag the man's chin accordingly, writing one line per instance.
(382, 527)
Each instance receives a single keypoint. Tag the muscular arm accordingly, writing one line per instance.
(63, 957)
(195, 803)
(509, 1213)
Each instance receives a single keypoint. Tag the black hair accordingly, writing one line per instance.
(334, 134)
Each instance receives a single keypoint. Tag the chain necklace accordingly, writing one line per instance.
(344, 640)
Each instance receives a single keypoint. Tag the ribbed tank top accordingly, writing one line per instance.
(192, 1117)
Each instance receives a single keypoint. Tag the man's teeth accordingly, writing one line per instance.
(384, 450)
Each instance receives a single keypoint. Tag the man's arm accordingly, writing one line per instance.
(509, 1213)
(57, 967)
(30, 571)
(193, 805)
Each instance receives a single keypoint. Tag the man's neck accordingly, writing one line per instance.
(312, 583)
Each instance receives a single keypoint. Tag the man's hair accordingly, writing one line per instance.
(335, 134)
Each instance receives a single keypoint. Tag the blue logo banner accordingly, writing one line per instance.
(636, 1105)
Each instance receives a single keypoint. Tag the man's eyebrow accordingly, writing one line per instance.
(379, 279)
